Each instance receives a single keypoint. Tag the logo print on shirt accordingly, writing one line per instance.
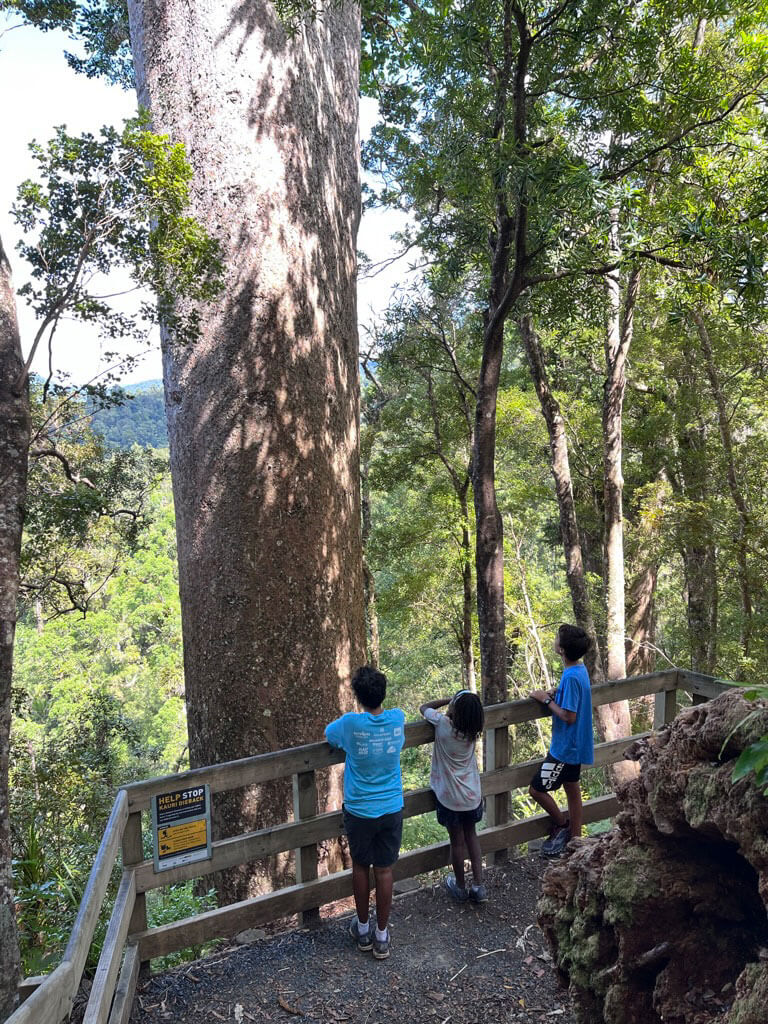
(397, 730)
(391, 750)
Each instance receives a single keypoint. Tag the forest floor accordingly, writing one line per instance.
(450, 964)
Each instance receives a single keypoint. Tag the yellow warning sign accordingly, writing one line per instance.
(190, 835)
(181, 827)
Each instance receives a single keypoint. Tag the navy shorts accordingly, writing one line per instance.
(453, 819)
(374, 841)
(553, 773)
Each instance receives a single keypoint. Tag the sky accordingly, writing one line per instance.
(40, 92)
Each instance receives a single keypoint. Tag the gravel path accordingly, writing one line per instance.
(450, 964)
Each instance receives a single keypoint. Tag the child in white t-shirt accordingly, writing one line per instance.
(455, 781)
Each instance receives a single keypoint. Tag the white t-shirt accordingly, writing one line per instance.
(455, 778)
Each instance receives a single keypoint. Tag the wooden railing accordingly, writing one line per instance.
(129, 942)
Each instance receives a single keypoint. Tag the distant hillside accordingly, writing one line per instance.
(139, 420)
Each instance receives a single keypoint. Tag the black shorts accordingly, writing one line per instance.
(553, 773)
(374, 841)
(452, 819)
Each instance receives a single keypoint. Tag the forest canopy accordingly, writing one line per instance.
(563, 413)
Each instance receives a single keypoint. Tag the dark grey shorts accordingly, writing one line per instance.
(455, 819)
(374, 841)
(553, 773)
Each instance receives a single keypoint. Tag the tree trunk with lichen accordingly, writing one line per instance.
(262, 408)
(14, 448)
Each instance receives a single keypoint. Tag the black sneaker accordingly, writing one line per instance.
(555, 846)
(381, 946)
(364, 941)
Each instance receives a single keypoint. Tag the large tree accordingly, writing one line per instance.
(263, 408)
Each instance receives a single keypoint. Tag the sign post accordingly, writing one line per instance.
(181, 827)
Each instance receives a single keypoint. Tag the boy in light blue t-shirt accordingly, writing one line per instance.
(373, 801)
(572, 744)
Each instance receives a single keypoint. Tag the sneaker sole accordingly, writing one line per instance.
(380, 956)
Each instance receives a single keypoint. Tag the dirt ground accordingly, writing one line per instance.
(450, 964)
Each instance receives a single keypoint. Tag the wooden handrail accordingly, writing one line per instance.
(53, 999)
(267, 842)
(248, 771)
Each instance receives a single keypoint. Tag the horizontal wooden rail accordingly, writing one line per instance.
(267, 767)
(226, 921)
(227, 853)
(702, 686)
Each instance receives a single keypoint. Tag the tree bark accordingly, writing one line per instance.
(737, 495)
(369, 580)
(613, 719)
(468, 598)
(642, 621)
(617, 342)
(508, 265)
(14, 448)
(263, 407)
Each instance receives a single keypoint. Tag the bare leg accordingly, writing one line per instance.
(473, 849)
(361, 889)
(546, 801)
(383, 878)
(458, 853)
(575, 807)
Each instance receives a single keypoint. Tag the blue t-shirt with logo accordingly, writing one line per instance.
(573, 743)
(372, 782)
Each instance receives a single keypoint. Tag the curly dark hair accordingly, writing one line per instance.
(574, 641)
(467, 714)
(370, 686)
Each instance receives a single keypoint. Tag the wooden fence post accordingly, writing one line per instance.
(305, 806)
(497, 806)
(665, 708)
(133, 853)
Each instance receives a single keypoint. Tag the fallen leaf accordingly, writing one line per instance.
(288, 1008)
(437, 996)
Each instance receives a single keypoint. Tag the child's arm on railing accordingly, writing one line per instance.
(433, 705)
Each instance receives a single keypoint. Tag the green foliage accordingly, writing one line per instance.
(98, 701)
(174, 903)
(754, 758)
(86, 504)
(114, 202)
(100, 26)
(135, 417)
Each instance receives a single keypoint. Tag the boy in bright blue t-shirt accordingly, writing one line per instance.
(373, 801)
(572, 744)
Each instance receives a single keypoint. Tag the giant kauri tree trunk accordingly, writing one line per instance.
(14, 448)
(263, 408)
